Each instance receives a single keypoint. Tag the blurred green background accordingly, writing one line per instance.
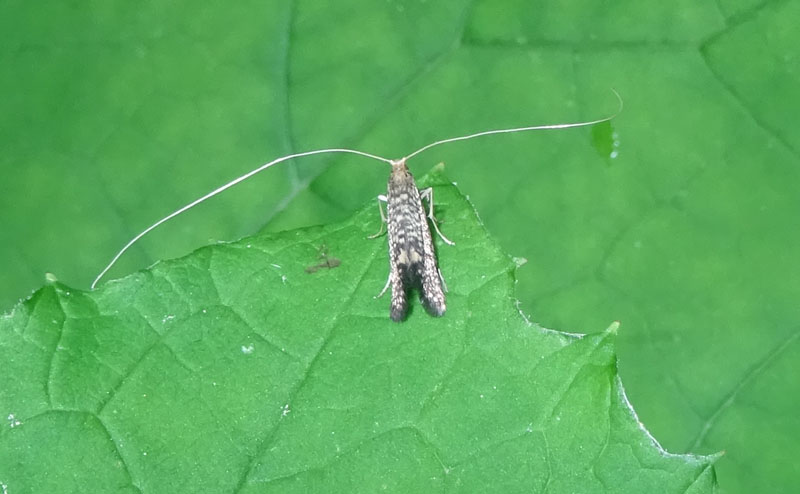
(115, 113)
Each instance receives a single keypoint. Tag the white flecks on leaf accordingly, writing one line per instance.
(247, 350)
(12, 421)
(615, 144)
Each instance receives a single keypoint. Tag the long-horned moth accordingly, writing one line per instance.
(412, 258)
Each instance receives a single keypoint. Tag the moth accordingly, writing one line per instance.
(412, 256)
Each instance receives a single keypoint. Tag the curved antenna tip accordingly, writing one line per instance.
(619, 100)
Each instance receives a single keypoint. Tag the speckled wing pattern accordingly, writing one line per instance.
(411, 254)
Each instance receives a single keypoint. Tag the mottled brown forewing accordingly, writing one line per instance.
(412, 258)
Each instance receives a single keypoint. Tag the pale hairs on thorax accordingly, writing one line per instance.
(350, 151)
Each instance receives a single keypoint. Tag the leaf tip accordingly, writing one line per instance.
(435, 176)
(613, 328)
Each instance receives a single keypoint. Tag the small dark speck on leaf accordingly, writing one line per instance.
(328, 261)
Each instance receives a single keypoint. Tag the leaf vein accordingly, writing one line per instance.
(272, 433)
(751, 375)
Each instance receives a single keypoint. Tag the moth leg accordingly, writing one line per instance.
(383, 223)
(385, 287)
(427, 194)
(399, 299)
(441, 278)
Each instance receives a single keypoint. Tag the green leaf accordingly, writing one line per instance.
(116, 114)
(234, 369)
(689, 237)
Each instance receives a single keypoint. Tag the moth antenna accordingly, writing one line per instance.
(223, 188)
(341, 150)
(521, 129)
